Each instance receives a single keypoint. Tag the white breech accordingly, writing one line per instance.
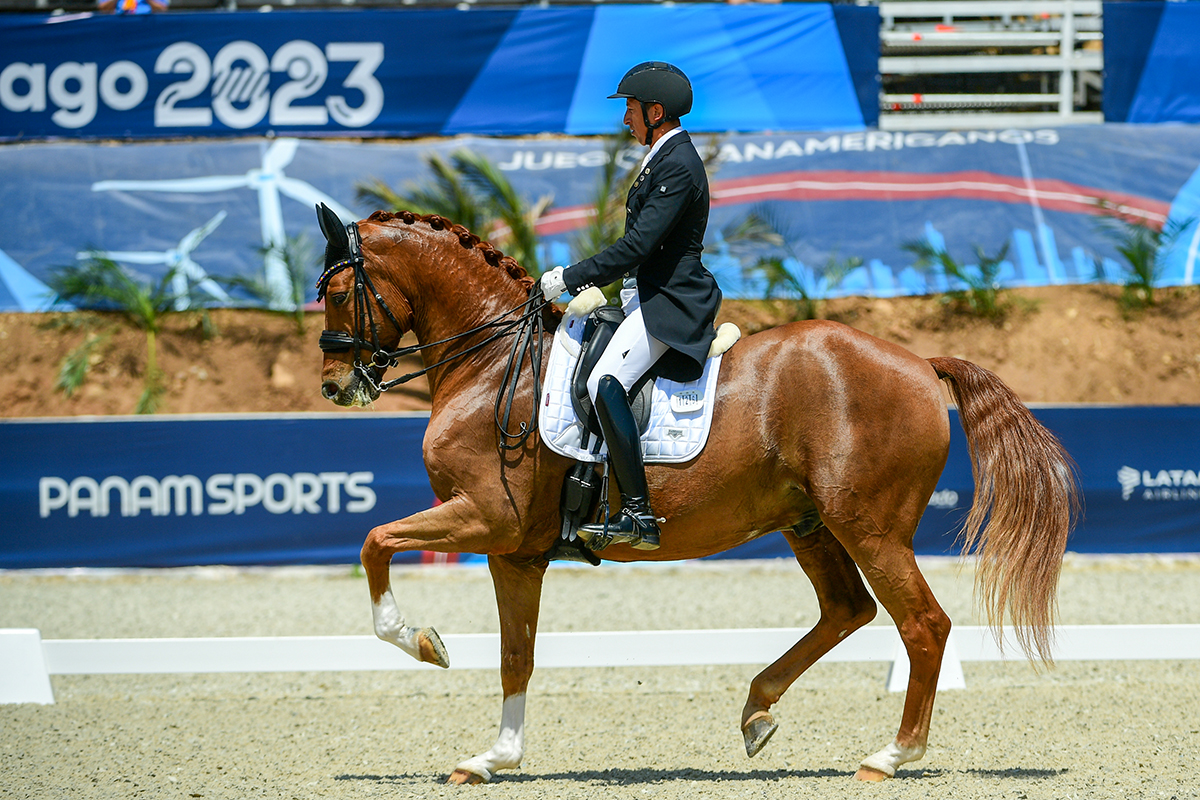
(509, 748)
(629, 356)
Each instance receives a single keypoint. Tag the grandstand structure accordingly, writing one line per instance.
(997, 63)
(943, 63)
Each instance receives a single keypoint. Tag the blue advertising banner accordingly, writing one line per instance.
(209, 208)
(409, 72)
(166, 492)
(1151, 62)
(1139, 472)
(287, 490)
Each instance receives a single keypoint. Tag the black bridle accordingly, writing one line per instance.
(528, 327)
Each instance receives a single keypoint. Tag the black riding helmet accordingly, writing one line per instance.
(657, 82)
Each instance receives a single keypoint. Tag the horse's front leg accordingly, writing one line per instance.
(518, 595)
(452, 527)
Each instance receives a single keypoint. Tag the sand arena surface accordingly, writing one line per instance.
(1119, 729)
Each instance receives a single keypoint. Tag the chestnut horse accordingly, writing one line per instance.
(830, 435)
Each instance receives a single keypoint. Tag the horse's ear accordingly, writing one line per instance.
(337, 246)
(332, 227)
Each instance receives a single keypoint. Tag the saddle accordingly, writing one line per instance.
(583, 479)
(671, 407)
(597, 333)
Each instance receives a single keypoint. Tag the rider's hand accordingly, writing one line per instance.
(553, 283)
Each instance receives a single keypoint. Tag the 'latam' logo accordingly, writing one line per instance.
(1166, 484)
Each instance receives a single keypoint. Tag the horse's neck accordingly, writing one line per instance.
(450, 304)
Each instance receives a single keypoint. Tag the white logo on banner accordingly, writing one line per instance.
(1166, 484)
(237, 78)
(786, 148)
(223, 493)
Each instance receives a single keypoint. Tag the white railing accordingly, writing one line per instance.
(27, 661)
(925, 26)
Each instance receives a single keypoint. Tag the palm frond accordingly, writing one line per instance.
(150, 399)
(445, 194)
(98, 282)
(754, 229)
(470, 190)
(1144, 248)
(75, 365)
(505, 205)
(607, 222)
(982, 296)
(373, 193)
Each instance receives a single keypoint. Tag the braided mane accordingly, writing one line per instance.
(491, 254)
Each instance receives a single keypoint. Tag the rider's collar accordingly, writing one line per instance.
(658, 146)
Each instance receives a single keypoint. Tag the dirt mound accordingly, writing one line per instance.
(1066, 344)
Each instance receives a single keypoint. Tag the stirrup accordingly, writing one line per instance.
(634, 525)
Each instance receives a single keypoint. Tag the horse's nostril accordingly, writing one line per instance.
(330, 389)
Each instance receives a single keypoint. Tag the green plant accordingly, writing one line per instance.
(73, 369)
(760, 230)
(446, 194)
(99, 283)
(607, 224)
(1144, 249)
(472, 191)
(982, 295)
(299, 260)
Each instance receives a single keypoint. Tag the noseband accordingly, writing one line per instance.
(340, 341)
(528, 325)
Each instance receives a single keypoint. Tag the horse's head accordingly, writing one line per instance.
(372, 285)
(365, 317)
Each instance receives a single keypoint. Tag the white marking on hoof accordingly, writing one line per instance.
(390, 627)
(892, 756)
(509, 748)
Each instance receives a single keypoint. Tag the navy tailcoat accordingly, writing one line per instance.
(666, 216)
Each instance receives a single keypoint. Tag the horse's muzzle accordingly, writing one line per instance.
(347, 388)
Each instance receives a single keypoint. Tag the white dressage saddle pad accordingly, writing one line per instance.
(680, 414)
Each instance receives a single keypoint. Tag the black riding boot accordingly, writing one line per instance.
(635, 522)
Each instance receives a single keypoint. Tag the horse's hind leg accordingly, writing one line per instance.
(845, 606)
(891, 569)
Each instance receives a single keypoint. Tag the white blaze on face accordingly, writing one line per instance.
(509, 748)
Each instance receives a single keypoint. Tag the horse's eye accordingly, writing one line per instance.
(340, 298)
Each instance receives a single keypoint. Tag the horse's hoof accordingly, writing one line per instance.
(431, 648)
(870, 774)
(758, 732)
(460, 777)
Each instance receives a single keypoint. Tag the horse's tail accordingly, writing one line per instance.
(1026, 503)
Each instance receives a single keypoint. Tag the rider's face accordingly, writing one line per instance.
(633, 118)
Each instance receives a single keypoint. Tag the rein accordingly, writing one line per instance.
(528, 327)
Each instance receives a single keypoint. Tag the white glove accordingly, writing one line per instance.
(553, 283)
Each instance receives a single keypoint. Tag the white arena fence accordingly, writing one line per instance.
(27, 661)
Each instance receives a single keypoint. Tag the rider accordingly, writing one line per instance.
(669, 323)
